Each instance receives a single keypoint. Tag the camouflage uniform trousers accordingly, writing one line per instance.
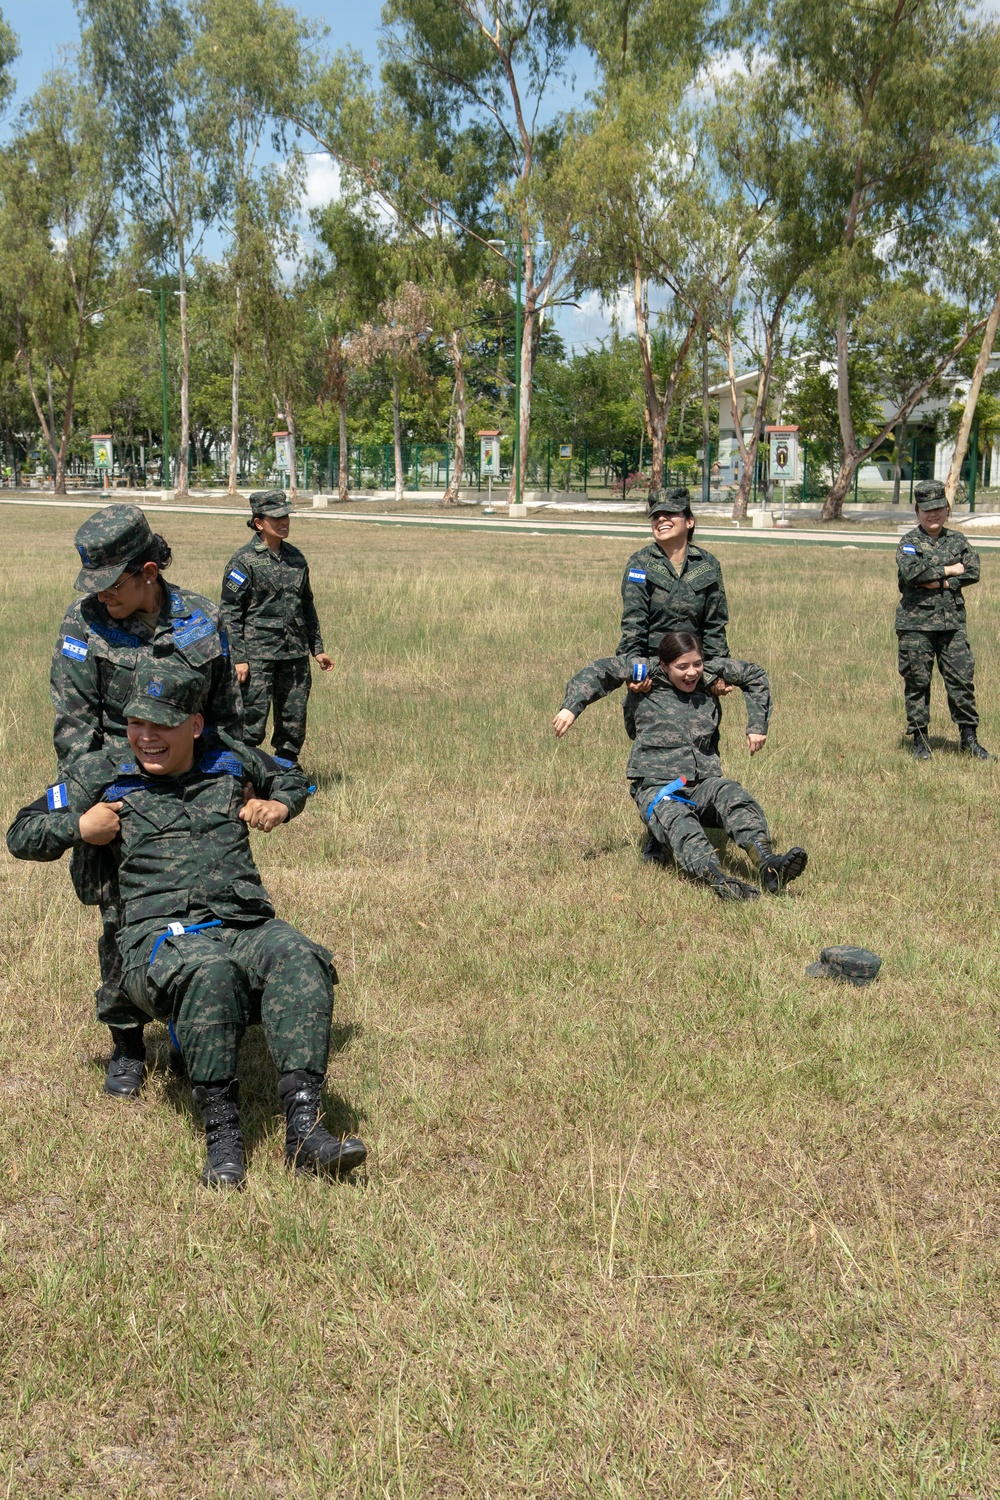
(208, 983)
(93, 880)
(918, 650)
(283, 685)
(719, 804)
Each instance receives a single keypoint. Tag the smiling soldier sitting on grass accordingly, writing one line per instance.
(200, 941)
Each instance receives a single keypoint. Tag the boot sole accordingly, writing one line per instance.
(797, 861)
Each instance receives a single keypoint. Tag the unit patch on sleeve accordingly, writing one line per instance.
(235, 580)
(910, 549)
(74, 649)
(57, 797)
(636, 575)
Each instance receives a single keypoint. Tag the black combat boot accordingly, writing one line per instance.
(776, 870)
(971, 745)
(225, 1165)
(655, 853)
(128, 1062)
(921, 747)
(309, 1146)
(727, 887)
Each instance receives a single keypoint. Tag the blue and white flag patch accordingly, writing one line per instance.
(911, 550)
(196, 628)
(238, 578)
(636, 575)
(74, 649)
(57, 797)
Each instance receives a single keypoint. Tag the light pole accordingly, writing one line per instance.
(516, 509)
(165, 471)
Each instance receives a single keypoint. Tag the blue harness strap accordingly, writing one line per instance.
(177, 929)
(671, 793)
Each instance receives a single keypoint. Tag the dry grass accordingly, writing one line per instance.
(649, 1212)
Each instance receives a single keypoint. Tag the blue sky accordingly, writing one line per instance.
(46, 28)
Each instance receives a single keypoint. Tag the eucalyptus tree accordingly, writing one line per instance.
(893, 105)
(59, 242)
(461, 134)
(140, 55)
(244, 51)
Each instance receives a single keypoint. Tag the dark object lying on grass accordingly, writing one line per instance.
(850, 965)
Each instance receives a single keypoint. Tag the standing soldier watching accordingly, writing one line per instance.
(129, 614)
(268, 610)
(934, 567)
(672, 584)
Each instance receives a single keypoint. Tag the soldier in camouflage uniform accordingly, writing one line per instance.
(674, 770)
(200, 942)
(934, 567)
(128, 614)
(268, 609)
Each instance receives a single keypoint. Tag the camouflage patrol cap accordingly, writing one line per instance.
(670, 502)
(107, 542)
(851, 965)
(271, 503)
(165, 691)
(929, 495)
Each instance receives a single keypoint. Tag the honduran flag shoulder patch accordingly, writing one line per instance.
(636, 575)
(57, 797)
(74, 649)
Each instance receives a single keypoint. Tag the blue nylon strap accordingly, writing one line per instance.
(195, 927)
(669, 793)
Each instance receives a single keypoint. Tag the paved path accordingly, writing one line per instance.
(526, 528)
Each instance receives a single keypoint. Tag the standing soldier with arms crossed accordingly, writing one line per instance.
(129, 614)
(934, 566)
(268, 610)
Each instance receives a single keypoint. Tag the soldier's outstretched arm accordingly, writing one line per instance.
(270, 780)
(755, 686)
(597, 680)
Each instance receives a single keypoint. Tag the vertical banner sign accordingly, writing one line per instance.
(102, 450)
(283, 451)
(784, 454)
(489, 454)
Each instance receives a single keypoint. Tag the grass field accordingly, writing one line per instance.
(649, 1213)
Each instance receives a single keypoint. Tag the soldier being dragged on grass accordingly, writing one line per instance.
(200, 943)
(674, 771)
(128, 614)
(934, 566)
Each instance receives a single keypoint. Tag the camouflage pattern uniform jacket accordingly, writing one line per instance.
(185, 853)
(95, 659)
(656, 598)
(677, 734)
(267, 604)
(923, 559)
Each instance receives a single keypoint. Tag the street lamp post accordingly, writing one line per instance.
(165, 472)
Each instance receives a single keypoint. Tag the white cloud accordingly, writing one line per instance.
(322, 181)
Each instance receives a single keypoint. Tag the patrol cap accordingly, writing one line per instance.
(929, 495)
(165, 691)
(272, 503)
(107, 542)
(850, 965)
(670, 502)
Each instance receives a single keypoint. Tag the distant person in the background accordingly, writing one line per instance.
(934, 566)
(268, 609)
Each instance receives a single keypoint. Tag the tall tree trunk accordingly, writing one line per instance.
(397, 441)
(458, 465)
(343, 457)
(234, 429)
(897, 466)
(524, 415)
(968, 415)
(182, 456)
(293, 457)
(833, 505)
(748, 451)
(658, 407)
(706, 476)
